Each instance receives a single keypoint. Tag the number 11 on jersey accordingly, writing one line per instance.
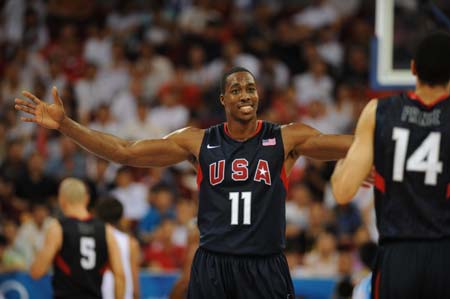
(234, 197)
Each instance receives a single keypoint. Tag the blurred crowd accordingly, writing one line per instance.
(141, 69)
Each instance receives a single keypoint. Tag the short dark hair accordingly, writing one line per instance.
(235, 69)
(109, 210)
(161, 187)
(432, 59)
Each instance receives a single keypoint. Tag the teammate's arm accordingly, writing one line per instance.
(135, 259)
(172, 149)
(115, 264)
(44, 258)
(302, 140)
(351, 171)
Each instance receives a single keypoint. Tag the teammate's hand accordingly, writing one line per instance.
(49, 116)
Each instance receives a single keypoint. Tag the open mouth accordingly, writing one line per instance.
(246, 108)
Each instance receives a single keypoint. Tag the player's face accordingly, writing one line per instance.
(241, 97)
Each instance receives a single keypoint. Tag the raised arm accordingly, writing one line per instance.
(302, 140)
(351, 172)
(44, 258)
(181, 145)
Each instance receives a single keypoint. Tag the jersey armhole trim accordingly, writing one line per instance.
(199, 176)
(62, 265)
(379, 182)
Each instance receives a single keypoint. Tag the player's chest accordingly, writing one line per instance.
(241, 165)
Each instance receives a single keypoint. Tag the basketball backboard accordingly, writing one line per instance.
(399, 25)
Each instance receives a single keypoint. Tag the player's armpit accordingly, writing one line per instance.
(302, 140)
(115, 264)
(354, 169)
(44, 258)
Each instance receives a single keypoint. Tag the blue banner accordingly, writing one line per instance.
(153, 286)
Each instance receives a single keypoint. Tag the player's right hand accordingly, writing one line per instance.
(49, 116)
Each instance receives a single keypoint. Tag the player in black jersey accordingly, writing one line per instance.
(79, 247)
(242, 167)
(407, 138)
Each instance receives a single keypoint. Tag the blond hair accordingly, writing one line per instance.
(73, 191)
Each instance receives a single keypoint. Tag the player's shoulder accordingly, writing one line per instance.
(187, 135)
(187, 131)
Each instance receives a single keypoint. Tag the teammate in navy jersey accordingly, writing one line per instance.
(242, 167)
(80, 247)
(407, 138)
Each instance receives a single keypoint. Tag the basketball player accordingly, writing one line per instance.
(79, 247)
(110, 210)
(407, 138)
(242, 167)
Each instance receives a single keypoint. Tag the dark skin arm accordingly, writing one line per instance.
(181, 145)
(302, 140)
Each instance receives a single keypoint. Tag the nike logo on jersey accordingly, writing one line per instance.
(212, 146)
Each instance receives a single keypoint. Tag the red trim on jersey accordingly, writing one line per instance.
(104, 268)
(258, 129)
(62, 265)
(412, 95)
(284, 178)
(379, 182)
(448, 191)
(199, 176)
(87, 218)
(376, 292)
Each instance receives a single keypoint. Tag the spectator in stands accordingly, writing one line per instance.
(132, 195)
(161, 254)
(104, 120)
(297, 210)
(170, 115)
(13, 166)
(322, 261)
(36, 186)
(31, 234)
(141, 125)
(314, 85)
(162, 207)
(11, 259)
(66, 160)
(88, 92)
(185, 215)
(158, 70)
(98, 45)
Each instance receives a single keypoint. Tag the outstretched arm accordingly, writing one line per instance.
(181, 145)
(44, 258)
(351, 172)
(302, 140)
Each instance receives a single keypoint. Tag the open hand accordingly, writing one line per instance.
(49, 116)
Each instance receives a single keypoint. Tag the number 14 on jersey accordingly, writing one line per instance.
(424, 159)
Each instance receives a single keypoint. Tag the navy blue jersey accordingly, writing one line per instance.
(411, 152)
(242, 191)
(83, 257)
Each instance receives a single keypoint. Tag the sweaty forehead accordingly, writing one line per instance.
(241, 78)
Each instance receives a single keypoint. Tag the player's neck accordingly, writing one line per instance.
(429, 94)
(242, 130)
(77, 212)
